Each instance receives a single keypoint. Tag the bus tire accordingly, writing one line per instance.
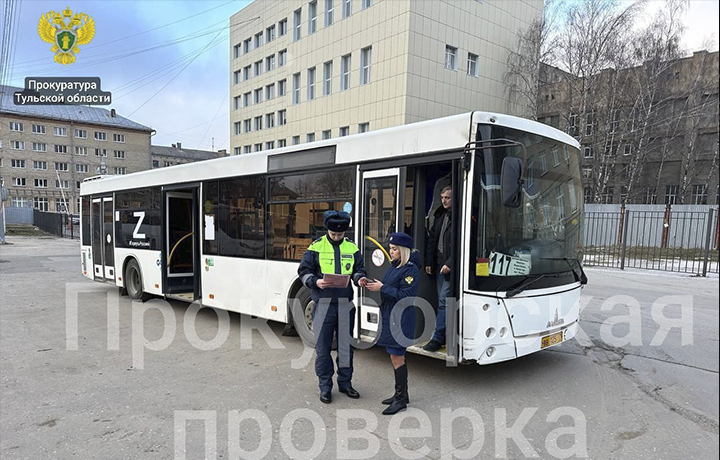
(302, 313)
(134, 282)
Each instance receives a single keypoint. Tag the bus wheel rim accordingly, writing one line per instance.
(134, 280)
(308, 314)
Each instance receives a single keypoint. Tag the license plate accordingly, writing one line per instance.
(551, 340)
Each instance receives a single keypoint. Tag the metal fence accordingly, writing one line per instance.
(56, 224)
(679, 239)
(15, 215)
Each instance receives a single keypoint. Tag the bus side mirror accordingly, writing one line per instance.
(511, 182)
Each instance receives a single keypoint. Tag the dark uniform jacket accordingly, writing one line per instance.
(432, 257)
(334, 257)
(399, 283)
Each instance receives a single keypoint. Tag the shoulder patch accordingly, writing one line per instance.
(409, 279)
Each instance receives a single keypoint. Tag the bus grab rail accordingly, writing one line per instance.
(175, 247)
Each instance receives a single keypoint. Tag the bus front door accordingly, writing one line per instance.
(103, 239)
(378, 218)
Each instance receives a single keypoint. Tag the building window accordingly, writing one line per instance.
(258, 147)
(344, 131)
(310, 137)
(366, 4)
(472, 65)
(608, 196)
(282, 58)
(17, 145)
(61, 167)
(248, 125)
(281, 143)
(60, 131)
(345, 72)
(269, 145)
(40, 165)
(38, 129)
(671, 194)
(247, 72)
(327, 78)
(327, 134)
(258, 67)
(282, 117)
(270, 34)
(81, 133)
(365, 63)
(587, 173)
(312, 17)
(237, 75)
(364, 127)
(543, 162)
(100, 152)
(297, 24)
(39, 147)
(590, 123)
(41, 183)
(80, 168)
(119, 138)
(295, 140)
(699, 194)
(247, 149)
(19, 182)
(346, 8)
(627, 148)
(60, 148)
(296, 89)
(588, 151)
(282, 87)
(100, 136)
(270, 92)
(450, 57)
(237, 128)
(16, 126)
(247, 44)
(615, 121)
(236, 51)
(282, 27)
(270, 63)
(236, 102)
(42, 204)
(257, 97)
(247, 99)
(270, 120)
(572, 127)
(311, 84)
(119, 154)
(329, 12)
(258, 123)
(81, 151)
(120, 170)
(258, 40)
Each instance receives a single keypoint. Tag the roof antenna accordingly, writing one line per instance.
(213, 143)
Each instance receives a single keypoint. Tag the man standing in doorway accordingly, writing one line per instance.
(334, 313)
(438, 260)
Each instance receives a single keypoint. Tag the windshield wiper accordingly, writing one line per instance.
(578, 277)
(517, 290)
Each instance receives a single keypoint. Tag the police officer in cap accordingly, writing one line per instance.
(334, 312)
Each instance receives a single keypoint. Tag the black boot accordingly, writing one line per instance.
(400, 400)
(392, 398)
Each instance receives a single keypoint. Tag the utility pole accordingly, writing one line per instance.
(3, 199)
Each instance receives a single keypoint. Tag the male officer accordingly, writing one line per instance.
(439, 255)
(334, 311)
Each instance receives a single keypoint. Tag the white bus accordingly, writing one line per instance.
(230, 232)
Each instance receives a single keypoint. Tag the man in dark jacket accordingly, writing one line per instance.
(334, 312)
(438, 260)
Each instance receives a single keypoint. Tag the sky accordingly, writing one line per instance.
(181, 90)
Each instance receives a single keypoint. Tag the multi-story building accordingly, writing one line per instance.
(649, 134)
(163, 156)
(307, 70)
(47, 150)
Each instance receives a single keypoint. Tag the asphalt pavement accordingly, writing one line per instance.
(85, 374)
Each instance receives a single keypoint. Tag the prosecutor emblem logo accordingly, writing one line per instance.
(66, 32)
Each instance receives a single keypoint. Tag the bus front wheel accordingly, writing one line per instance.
(302, 314)
(134, 283)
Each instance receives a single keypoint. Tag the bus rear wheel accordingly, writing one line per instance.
(302, 314)
(134, 282)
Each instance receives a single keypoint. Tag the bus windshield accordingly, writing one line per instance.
(540, 237)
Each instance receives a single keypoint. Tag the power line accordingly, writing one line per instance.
(211, 123)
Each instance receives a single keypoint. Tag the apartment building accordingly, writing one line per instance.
(308, 70)
(47, 150)
(163, 156)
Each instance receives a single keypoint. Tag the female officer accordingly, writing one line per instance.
(398, 324)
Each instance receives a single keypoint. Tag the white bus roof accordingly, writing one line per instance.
(440, 134)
